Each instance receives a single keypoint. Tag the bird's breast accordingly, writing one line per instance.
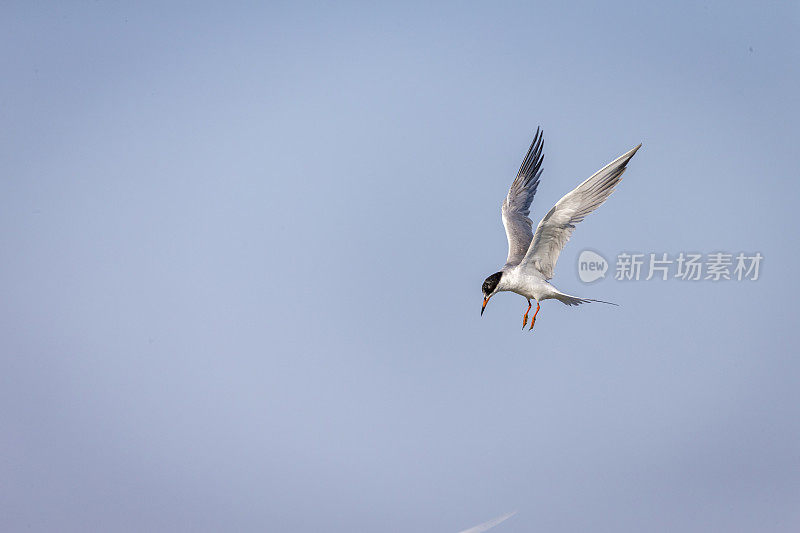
(526, 285)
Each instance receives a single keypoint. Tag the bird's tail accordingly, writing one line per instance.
(574, 300)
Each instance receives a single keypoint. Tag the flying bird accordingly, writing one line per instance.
(532, 255)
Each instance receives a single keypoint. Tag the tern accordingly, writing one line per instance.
(532, 255)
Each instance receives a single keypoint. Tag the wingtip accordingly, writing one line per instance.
(630, 153)
(485, 526)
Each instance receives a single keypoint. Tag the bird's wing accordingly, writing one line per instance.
(558, 224)
(517, 205)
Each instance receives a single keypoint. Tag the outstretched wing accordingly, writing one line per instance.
(558, 224)
(517, 205)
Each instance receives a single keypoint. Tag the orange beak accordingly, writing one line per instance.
(485, 301)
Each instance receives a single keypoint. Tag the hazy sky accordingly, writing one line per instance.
(242, 250)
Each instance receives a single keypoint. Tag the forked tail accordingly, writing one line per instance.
(574, 300)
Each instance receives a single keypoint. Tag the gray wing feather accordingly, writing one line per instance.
(517, 205)
(558, 224)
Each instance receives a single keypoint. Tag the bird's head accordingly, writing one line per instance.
(489, 287)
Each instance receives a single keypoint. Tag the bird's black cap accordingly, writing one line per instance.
(490, 283)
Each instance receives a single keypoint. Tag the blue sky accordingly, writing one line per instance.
(243, 248)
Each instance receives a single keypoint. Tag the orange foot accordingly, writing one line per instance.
(533, 319)
(525, 318)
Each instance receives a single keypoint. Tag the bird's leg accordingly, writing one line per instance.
(533, 319)
(525, 318)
